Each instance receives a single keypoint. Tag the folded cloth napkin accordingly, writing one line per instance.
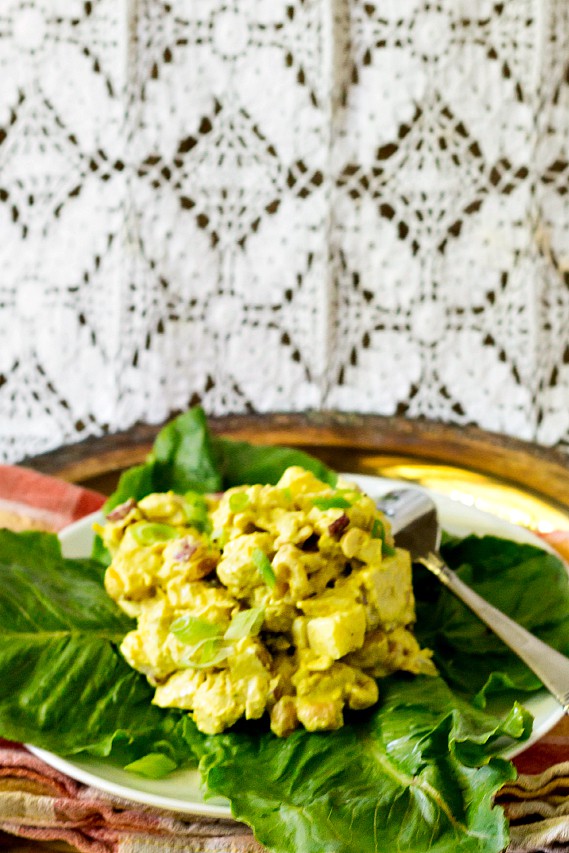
(537, 805)
(38, 802)
(32, 501)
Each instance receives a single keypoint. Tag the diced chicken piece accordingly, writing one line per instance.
(321, 696)
(387, 652)
(164, 507)
(180, 689)
(249, 657)
(146, 648)
(387, 591)
(284, 719)
(189, 558)
(211, 603)
(364, 512)
(133, 572)
(406, 654)
(331, 601)
(363, 693)
(359, 544)
(373, 655)
(229, 694)
(237, 569)
(332, 683)
(215, 705)
(301, 482)
(279, 616)
(291, 575)
(339, 633)
(319, 714)
(291, 527)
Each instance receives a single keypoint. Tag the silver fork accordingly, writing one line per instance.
(415, 526)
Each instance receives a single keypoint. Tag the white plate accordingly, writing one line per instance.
(181, 791)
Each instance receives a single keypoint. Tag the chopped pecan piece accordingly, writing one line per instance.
(337, 527)
(122, 510)
(187, 548)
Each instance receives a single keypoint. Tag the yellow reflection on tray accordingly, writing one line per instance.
(471, 488)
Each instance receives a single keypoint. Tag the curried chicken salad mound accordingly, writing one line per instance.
(286, 599)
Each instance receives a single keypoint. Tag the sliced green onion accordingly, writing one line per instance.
(155, 765)
(206, 654)
(334, 502)
(263, 564)
(378, 530)
(195, 510)
(246, 623)
(191, 630)
(148, 532)
(238, 501)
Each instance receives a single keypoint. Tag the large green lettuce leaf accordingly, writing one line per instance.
(64, 685)
(527, 583)
(415, 776)
(241, 462)
(185, 456)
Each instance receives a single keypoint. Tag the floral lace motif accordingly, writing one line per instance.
(283, 205)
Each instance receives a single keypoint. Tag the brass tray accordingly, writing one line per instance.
(522, 482)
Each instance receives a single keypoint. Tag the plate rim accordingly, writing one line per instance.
(87, 777)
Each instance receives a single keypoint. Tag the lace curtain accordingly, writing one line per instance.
(283, 205)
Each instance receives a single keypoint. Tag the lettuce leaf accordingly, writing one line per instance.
(64, 685)
(528, 584)
(241, 462)
(414, 776)
(182, 459)
(183, 456)
(186, 457)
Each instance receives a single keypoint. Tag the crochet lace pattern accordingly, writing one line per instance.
(283, 205)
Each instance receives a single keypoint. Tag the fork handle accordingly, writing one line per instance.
(551, 667)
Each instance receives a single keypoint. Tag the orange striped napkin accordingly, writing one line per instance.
(29, 500)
